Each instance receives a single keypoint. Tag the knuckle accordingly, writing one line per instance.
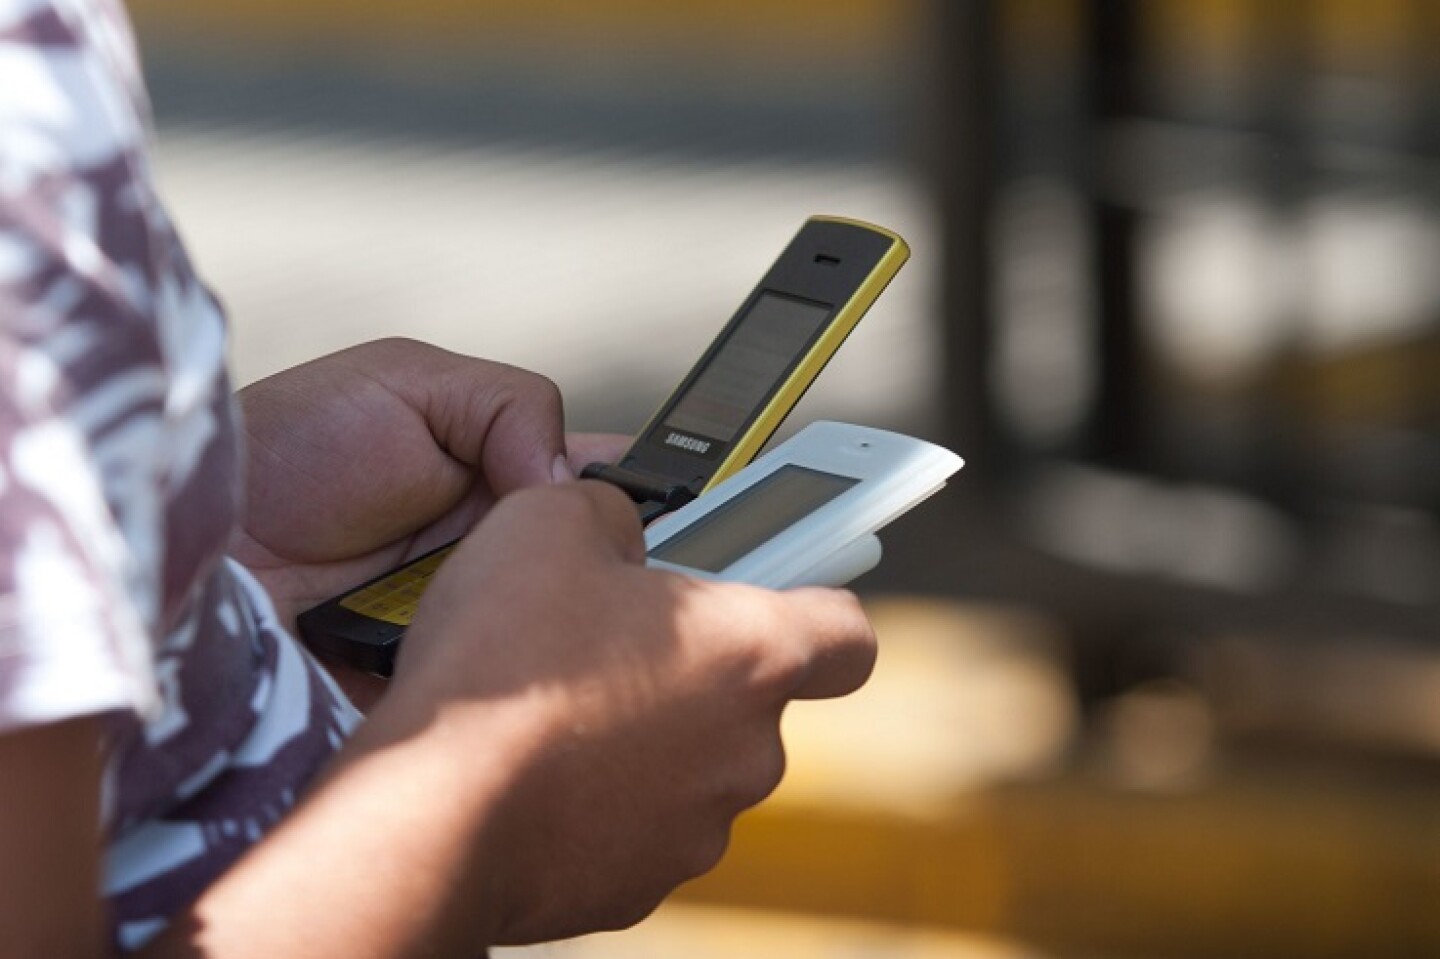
(396, 342)
(535, 388)
(767, 770)
(705, 853)
(632, 914)
(632, 909)
(397, 348)
(500, 386)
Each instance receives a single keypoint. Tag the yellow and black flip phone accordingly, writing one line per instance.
(716, 421)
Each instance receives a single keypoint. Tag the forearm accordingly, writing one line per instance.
(384, 858)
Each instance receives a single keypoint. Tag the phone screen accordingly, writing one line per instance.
(771, 506)
(757, 354)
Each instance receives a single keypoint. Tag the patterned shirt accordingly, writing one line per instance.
(119, 486)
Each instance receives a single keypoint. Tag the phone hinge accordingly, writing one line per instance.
(641, 488)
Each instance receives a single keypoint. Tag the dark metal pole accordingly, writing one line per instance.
(962, 171)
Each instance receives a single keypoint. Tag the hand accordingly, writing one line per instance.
(641, 708)
(567, 737)
(364, 459)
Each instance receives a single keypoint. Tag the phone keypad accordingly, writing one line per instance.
(395, 598)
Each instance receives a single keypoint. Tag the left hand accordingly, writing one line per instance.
(362, 460)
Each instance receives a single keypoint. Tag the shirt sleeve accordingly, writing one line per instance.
(82, 388)
(72, 642)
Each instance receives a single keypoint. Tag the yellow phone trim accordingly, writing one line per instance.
(804, 374)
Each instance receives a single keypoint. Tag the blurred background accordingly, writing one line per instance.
(1160, 670)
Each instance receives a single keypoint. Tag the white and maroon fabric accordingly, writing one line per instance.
(120, 486)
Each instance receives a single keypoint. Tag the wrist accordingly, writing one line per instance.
(459, 766)
(395, 850)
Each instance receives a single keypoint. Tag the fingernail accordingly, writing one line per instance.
(560, 470)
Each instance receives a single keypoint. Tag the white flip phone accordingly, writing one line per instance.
(806, 512)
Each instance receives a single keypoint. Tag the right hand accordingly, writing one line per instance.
(639, 710)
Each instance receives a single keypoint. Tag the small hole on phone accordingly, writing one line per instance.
(826, 259)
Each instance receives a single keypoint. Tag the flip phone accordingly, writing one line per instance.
(711, 426)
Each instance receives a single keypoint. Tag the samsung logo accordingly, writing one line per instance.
(689, 443)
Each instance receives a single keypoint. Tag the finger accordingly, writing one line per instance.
(582, 449)
(615, 515)
(524, 442)
(508, 421)
(582, 516)
(841, 643)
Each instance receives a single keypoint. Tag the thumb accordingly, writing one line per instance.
(507, 421)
